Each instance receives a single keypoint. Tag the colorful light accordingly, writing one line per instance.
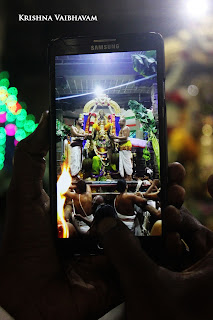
(3, 93)
(5, 83)
(30, 117)
(11, 98)
(29, 126)
(2, 149)
(12, 111)
(10, 129)
(2, 107)
(23, 105)
(2, 141)
(19, 124)
(10, 117)
(13, 91)
(12, 104)
(2, 133)
(3, 117)
(20, 134)
(18, 108)
(12, 107)
(2, 158)
(22, 114)
(4, 74)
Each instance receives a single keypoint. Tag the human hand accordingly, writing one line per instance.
(34, 284)
(183, 295)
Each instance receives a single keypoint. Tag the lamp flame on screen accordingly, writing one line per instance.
(63, 183)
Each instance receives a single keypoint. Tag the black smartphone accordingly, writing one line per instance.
(108, 136)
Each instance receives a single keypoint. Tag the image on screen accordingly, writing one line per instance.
(107, 141)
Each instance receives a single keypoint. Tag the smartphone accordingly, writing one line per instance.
(108, 131)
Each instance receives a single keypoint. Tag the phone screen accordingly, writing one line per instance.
(107, 140)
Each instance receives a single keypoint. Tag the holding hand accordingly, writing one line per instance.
(183, 295)
(35, 284)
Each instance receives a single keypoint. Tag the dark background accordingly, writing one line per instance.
(24, 44)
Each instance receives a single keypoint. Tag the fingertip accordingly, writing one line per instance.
(176, 173)
(120, 244)
(44, 117)
(37, 143)
(176, 195)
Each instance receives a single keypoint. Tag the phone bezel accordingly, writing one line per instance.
(82, 45)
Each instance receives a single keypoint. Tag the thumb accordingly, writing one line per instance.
(124, 251)
(27, 223)
(138, 273)
(29, 162)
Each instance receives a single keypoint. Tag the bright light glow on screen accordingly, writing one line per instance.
(98, 91)
(116, 87)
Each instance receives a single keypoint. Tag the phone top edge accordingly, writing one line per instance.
(83, 44)
(109, 36)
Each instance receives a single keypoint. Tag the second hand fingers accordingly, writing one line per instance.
(176, 195)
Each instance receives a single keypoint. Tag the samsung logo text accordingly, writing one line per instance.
(104, 47)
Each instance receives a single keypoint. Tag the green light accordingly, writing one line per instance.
(2, 133)
(10, 117)
(5, 83)
(2, 107)
(29, 126)
(31, 117)
(2, 158)
(19, 124)
(20, 134)
(2, 149)
(24, 105)
(2, 141)
(1, 166)
(13, 91)
(4, 74)
(22, 114)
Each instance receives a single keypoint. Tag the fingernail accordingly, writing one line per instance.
(44, 116)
